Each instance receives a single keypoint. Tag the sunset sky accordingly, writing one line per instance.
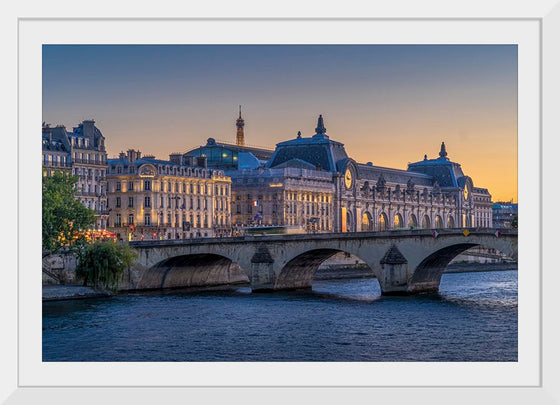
(389, 104)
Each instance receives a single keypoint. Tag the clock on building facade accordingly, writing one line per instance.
(348, 178)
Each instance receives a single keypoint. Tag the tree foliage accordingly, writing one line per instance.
(103, 263)
(63, 215)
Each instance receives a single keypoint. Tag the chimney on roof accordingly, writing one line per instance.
(133, 155)
(122, 155)
(89, 129)
(175, 158)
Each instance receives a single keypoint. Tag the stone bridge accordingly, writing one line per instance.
(404, 262)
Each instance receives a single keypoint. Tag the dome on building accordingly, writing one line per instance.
(318, 150)
(443, 170)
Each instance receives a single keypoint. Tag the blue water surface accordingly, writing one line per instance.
(473, 318)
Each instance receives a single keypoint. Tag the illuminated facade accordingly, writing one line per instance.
(310, 183)
(430, 194)
(152, 199)
(297, 197)
(81, 153)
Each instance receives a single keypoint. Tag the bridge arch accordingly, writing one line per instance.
(193, 270)
(299, 271)
(427, 274)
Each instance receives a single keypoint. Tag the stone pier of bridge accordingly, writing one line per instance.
(404, 262)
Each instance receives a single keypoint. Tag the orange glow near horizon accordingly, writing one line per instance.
(491, 165)
(388, 104)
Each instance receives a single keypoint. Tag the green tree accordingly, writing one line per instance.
(63, 214)
(103, 263)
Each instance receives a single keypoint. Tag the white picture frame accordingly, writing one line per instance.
(540, 390)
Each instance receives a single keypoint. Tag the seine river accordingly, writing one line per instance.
(473, 318)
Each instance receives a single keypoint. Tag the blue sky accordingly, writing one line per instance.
(388, 104)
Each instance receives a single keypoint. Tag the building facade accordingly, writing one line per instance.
(432, 193)
(152, 199)
(311, 183)
(297, 197)
(81, 153)
(504, 214)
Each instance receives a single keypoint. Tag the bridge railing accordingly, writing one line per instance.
(323, 236)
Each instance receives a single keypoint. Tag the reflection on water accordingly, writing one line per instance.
(473, 318)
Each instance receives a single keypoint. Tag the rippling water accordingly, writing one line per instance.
(473, 318)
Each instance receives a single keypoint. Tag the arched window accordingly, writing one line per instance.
(349, 221)
(438, 222)
(450, 222)
(367, 222)
(397, 221)
(426, 223)
(412, 221)
(382, 222)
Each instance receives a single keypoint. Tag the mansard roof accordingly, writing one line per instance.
(139, 162)
(372, 173)
(55, 139)
(87, 129)
(444, 171)
(318, 150)
(297, 163)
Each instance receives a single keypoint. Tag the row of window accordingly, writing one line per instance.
(82, 171)
(318, 198)
(164, 169)
(49, 160)
(221, 205)
(89, 158)
(322, 198)
(194, 221)
(83, 188)
(79, 142)
(200, 189)
(63, 159)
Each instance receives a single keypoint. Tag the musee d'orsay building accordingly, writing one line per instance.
(312, 180)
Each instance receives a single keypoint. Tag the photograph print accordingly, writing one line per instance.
(279, 203)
